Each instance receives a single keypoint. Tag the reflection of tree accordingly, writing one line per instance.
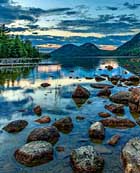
(7, 77)
(131, 64)
(85, 62)
(80, 101)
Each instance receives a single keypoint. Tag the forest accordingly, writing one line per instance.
(14, 47)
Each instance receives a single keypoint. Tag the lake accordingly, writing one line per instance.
(21, 91)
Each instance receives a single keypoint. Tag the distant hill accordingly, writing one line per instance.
(87, 49)
(130, 48)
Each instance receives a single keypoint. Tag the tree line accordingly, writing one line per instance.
(15, 47)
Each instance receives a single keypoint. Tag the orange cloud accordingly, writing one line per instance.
(107, 47)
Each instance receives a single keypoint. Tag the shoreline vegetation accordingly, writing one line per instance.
(13, 47)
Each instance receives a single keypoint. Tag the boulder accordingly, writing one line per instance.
(89, 78)
(101, 85)
(97, 131)
(118, 123)
(134, 101)
(115, 108)
(15, 126)
(81, 92)
(134, 79)
(38, 110)
(131, 156)
(121, 97)
(60, 149)
(129, 83)
(44, 85)
(48, 134)
(34, 153)
(138, 121)
(45, 119)
(80, 118)
(99, 78)
(109, 67)
(86, 160)
(104, 114)
(79, 101)
(64, 124)
(89, 102)
(106, 92)
(114, 140)
(115, 78)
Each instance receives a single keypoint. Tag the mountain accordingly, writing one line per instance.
(68, 49)
(130, 48)
(87, 49)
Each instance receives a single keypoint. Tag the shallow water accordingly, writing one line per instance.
(20, 92)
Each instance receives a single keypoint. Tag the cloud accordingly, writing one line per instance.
(10, 12)
(103, 24)
(131, 6)
(18, 29)
(112, 8)
(113, 40)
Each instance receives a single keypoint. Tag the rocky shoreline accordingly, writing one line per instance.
(40, 142)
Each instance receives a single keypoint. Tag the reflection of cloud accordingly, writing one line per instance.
(109, 62)
(50, 68)
(54, 46)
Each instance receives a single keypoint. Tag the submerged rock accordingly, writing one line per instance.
(106, 92)
(34, 153)
(45, 85)
(89, 78)
(118, 123)
(97, 131)
(38, 110)
(131, 156)
(81, 92)
(15, 126)
(134, 101)
(64, 124)
(115, 78)
(104, 114)
(134, 79)
(86, 160)
(109, 67)
(79, 101)
(129, 83)
(114, 140)
(138, 121)
(115, 108)
(102, 149)
(49, 134)
(101, 86)
(45, 119)
(121, 97)
(60, 149)
(99, 78)
(80, 117)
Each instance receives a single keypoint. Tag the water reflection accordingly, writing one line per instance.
(49, 68)
(21, 92)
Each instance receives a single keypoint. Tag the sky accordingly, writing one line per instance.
(50, 24)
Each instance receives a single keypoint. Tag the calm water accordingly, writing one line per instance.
(20, 91)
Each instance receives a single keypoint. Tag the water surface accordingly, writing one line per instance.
(20, 91)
